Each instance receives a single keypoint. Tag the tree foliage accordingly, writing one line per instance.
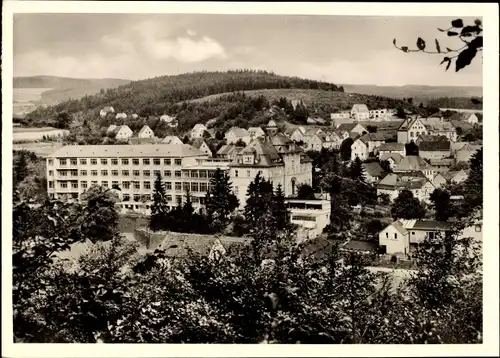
(159, 207)
(220, 200)
(406, 206)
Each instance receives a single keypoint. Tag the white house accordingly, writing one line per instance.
(313, 141)
(312, 216)
(392, 184)
(468, 117)
(393, 158)
(121, 115)
(410, 130)
(360, 112)
(256, 132)
(377, 114)
(352, 128)
(135, 116)
(373, 172)
(171, 139)
(366, 144)
(200, 144)
(434, 150)
(440, 128)
(198, 131)
(235, 134)
(340, 115)
(170, 120)
(298, 134)
(103, 112)
(146, 132)
(465, 153)
(121, 132)
(414, 163)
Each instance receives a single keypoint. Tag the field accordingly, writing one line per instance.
(27, 99)
(41, 149)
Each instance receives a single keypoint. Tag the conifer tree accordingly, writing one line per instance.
(220, 200)
(279, 209)
(159, 208)
(356, 170)
(259, 199)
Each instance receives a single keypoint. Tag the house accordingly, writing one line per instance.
(170, 120)
(202, 146)
(442, 164)
(198, 131)
(135, 116)
(236, 134)
(332, 140)
(339, 121)
(393, 158)
(297, 134)
(404, 236)
(414, 163)
(410, 130)
(120, 132)
(312, 215)
(377, 113)
(437, 149)
(313, 141)
(340, 115)
(373, 172)
(468, 117)
(146, 132)
(439, 180)
(390, 148)
(456, 176)
(121, 115)
(439, 127)
(104, 112)
(352, 128)
(342, 134)
(429, 138)
(227, 151)
(111, 128)
(360, 112)
(256, 132)
(366, 144)
(392, 184)
(171, 139)
(465, 153)
(272, 127)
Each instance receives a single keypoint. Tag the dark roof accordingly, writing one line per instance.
(358, 245)
(348, 127)
(431, 225)
(437, 145)
(392, 146)
(265, 154)
(179, 244)
(374, 169)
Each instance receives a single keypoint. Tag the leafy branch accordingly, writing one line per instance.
(470, 35)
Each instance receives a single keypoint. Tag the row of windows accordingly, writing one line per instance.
(193, 187)
(249, 173)
(304, 218)
(105, 172)
(114, 161)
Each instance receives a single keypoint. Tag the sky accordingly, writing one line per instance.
(338, 49)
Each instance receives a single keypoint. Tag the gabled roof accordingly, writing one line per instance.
(449, 175)
(144, 129)
(431, 225)
(396, 157)
(412, 163)
(178, 244)
(171, 139)
(226, 149)
(407, 123)
(198, 126)
(374, 169)
(238, 132)
(348, 127)
(435, 146)
(255, 131)
(391, 147)
(372, 137)
(399, 227)
(438, 125)
(470, 147)
(360, 108)
(119, 128)
(265, 154)
(394, 181)
(461, 116)
(280, 139)
(271, 123)
(198, 142)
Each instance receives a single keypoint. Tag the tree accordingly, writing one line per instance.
(400, 113)
(474, 184)
(406, 206)
(305, 192)
(159, 208)
(279, 210)
(356, 170)
(63, 120)
(259, 200)
(345, 149)
(386, 165)
(20, 167)
(443, 208)
(220, 200)
(470, 35)
(411, 148)
(100, 217)
(371, 129)
(301, 114)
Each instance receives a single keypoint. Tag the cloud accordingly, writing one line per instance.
(191, 32)
(185, 49)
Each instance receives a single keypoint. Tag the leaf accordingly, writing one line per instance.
(448, 66)
(477, 42)
(465, 58)
(468, 30)
(394, 42)
(438, 48)
(444, 60)
(457, 23)
(404, 48)
(478, 22)
(449, 49)
(441, 30)
(452, 33)
(421, 44)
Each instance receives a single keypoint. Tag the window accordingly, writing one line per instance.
(477, 228)
(413, 232)
(167, 173)
(411, 134)
(248, 173)
(114, 173)
(203, 187)
(157, 172)
(167, 161)
(194, 187)
(185, 186)
(211, 174)
(126, 185)
(137, 185)
(169, 197)
(93, 161)
(125, 173)
(104, 173)
(51, 173)
(194, 174)
(83, 173)
(146, 173)
(135, 161)
(178, 186)
(304, 218)
(195, 199)
(178, 199)
(203, 173)
(395, 235)
(186, 174)
(147, 185)
(104, 162)
(135, 173)
(178, 173)
(62, 161)
(74, 162)
(94, 182)
(124, 161)
(431, 235)
(94, 173)
(236, 190)
(145, 161)
(114, 184)
(74, 172)
(386, 235)
(178, 161)
(51, 162)
(104, 183)
(51, 184)
(64, 184)
(126, 197)
(156, 161)
(168, 185)
(137, 197)
(84, 184)
(74, 185)
(236, 173)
